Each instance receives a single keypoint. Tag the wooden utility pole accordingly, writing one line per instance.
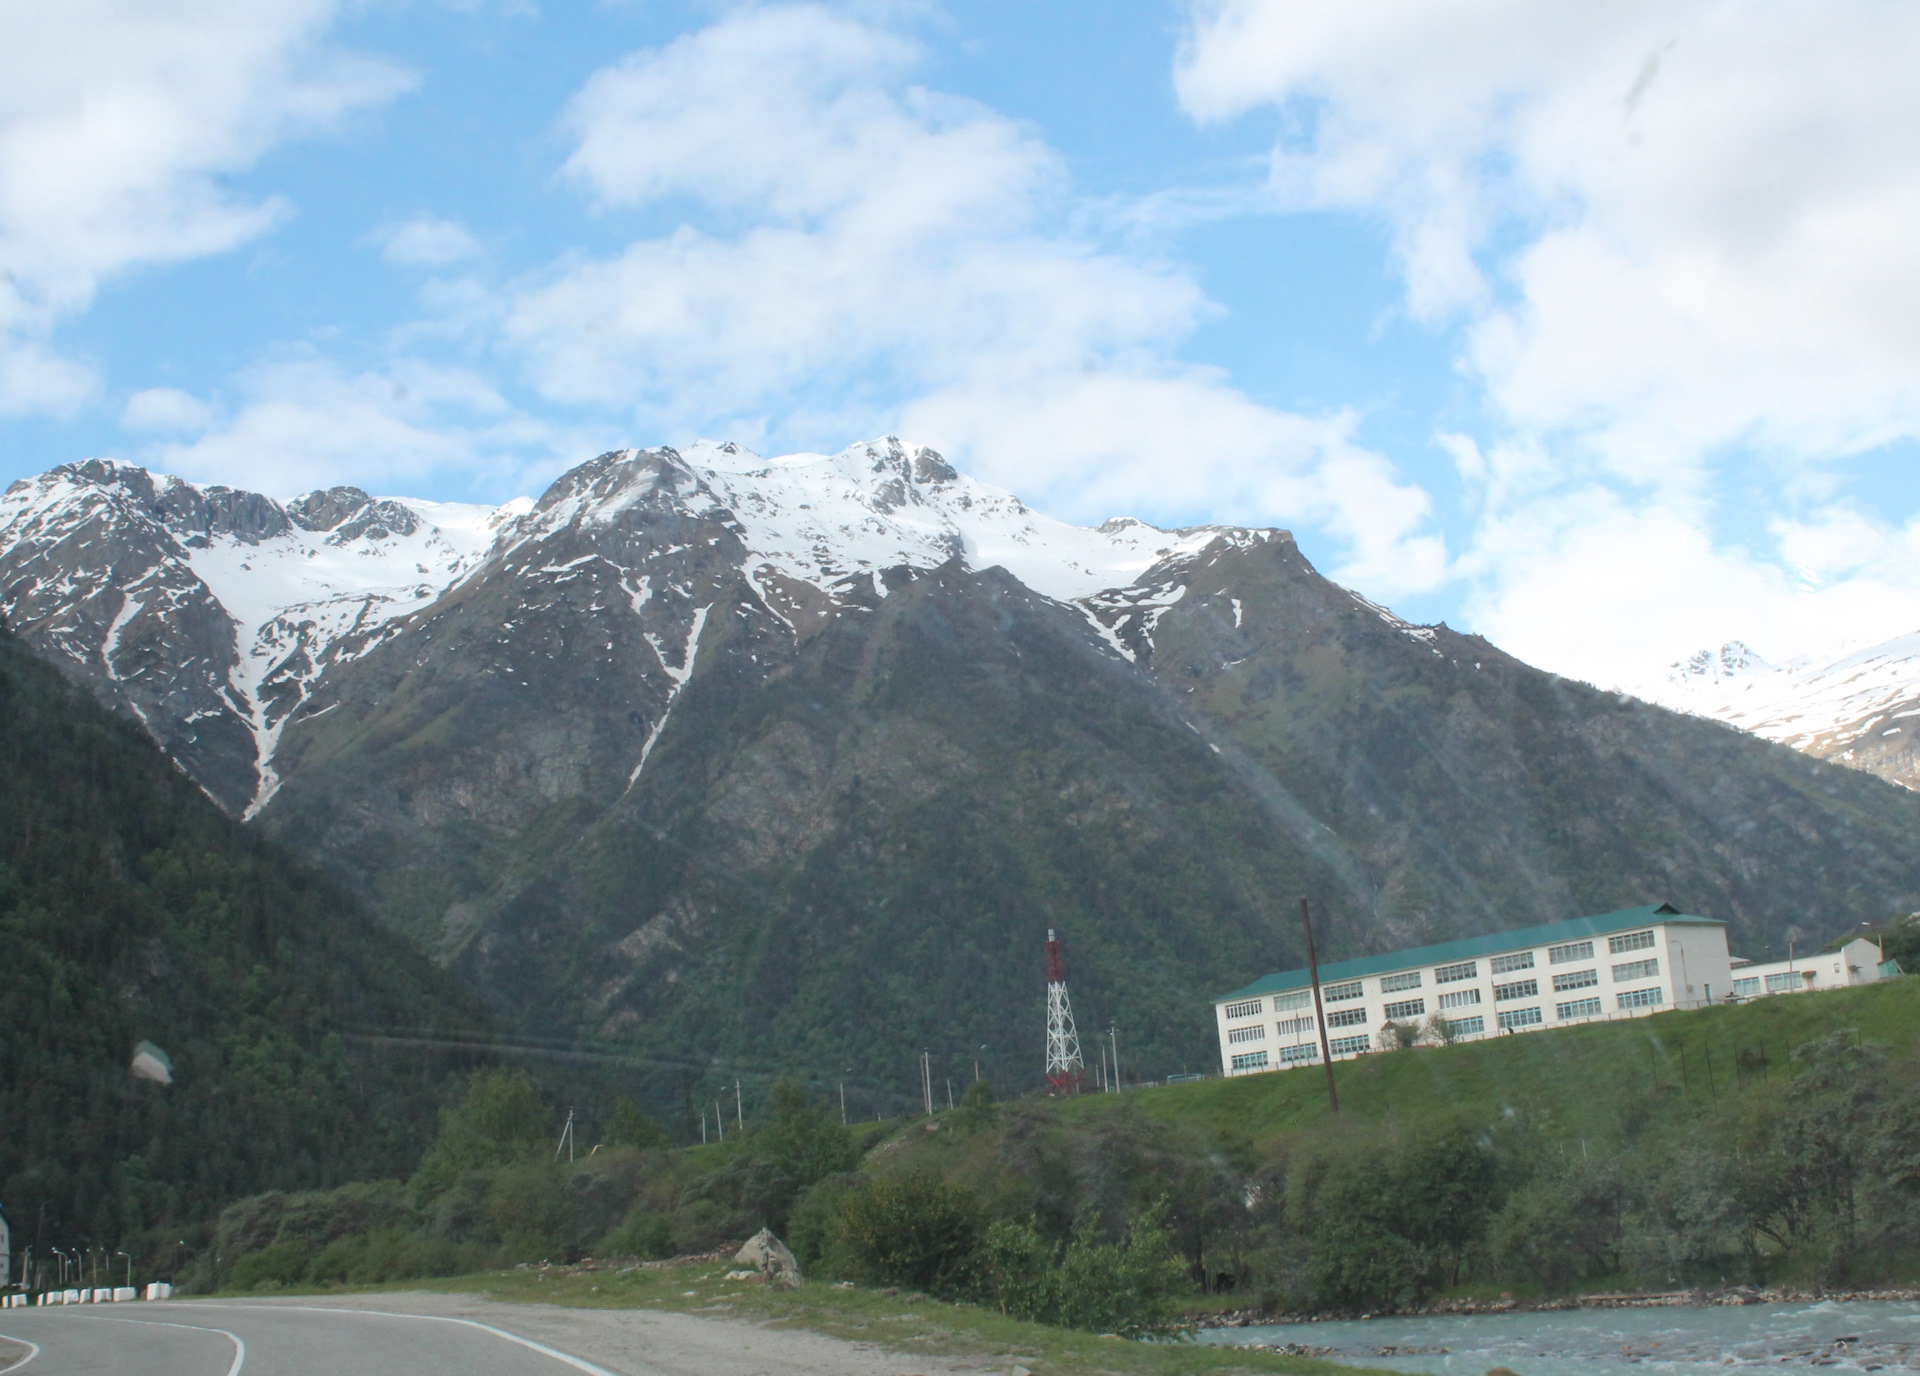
(1319, 1013)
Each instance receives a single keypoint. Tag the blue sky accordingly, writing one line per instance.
(1596, 332)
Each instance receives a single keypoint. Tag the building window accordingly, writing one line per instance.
(1453, 974)
(1293, 1055)
(1575, 979)
(1635, 969)
(1579, 1008)
(1746, 988)
(1643, 998)
(1519, 989)
(1572, 951)
(1632, 941)
(1346, 1046)
(1393, 984)
(1347, 1017)
(1256, 1033)
(1783, 984)
(1502, 964)
(1340, 993)
(1286, 1003)
(1521, 1017)
(1293, 1027)
(1469, 1027)
(1250, 1060)
(1460, 998)
(1411, 1008)
(1250, 1009)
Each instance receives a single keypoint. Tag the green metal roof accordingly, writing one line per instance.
(1469, 947)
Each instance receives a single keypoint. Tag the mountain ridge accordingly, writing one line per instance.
(786, 762)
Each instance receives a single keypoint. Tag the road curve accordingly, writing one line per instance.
(425, 1335)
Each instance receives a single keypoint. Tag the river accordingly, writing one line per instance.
(1856, 1335)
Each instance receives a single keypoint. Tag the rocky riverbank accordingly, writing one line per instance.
(1739, 1295)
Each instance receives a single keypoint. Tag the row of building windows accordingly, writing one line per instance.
(1293, 1055)
(1346, 1046)
(1293, 1026)
(1578, 1008)
(1410, 1008)
(1783, 982)
(1469, 1027)
(1520, 1017)
(1346, 1017)
(1643, 998)
(1256, 1033)
(1523, 960)
(1250, 1060)
(1746, 988)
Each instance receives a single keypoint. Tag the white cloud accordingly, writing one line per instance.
(425, 242)
(304, 422)
(1678, 239)
(118, 119)
(166, 409)
(859, 253)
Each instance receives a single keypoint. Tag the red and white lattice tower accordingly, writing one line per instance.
(1065, 1069)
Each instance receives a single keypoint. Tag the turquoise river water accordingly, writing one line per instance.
(1855, 1336)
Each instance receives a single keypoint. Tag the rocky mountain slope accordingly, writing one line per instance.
(751, 763)
(1860, 708)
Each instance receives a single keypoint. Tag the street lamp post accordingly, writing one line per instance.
(976, 1060)
(129, 1268)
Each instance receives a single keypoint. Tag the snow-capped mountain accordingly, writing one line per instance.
(703, 749)
(213, 614)
(1860, 708)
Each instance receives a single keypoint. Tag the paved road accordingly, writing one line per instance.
(422, 1335)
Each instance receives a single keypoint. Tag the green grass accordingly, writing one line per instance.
(1593, 1081)
(907, 1324)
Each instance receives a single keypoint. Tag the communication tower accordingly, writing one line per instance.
(1065, 1069)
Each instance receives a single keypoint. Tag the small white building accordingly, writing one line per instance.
(1623, 964)
(1857, 962)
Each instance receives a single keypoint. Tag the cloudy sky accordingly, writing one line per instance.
(1593, 328)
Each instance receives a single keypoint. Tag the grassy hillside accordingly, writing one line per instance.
(1605, 1082)
(131, 909)
(1773, 1142)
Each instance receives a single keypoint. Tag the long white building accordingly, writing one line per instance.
(1856, 962)
(1624, 964)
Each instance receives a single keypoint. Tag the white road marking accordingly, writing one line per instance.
(33, 1350)
(578, 1363)
(239, 1347)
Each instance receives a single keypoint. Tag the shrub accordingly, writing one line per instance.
(1132, 1286)
(277, 1264)
(911, 1230)
(644, 1234)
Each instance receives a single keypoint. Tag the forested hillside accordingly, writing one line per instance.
(132, 909)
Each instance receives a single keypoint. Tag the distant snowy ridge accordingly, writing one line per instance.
(1860, 708)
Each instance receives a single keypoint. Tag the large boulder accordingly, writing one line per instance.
(769, 1256)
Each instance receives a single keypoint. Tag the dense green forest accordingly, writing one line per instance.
(1773, 1142)
(132, 909)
